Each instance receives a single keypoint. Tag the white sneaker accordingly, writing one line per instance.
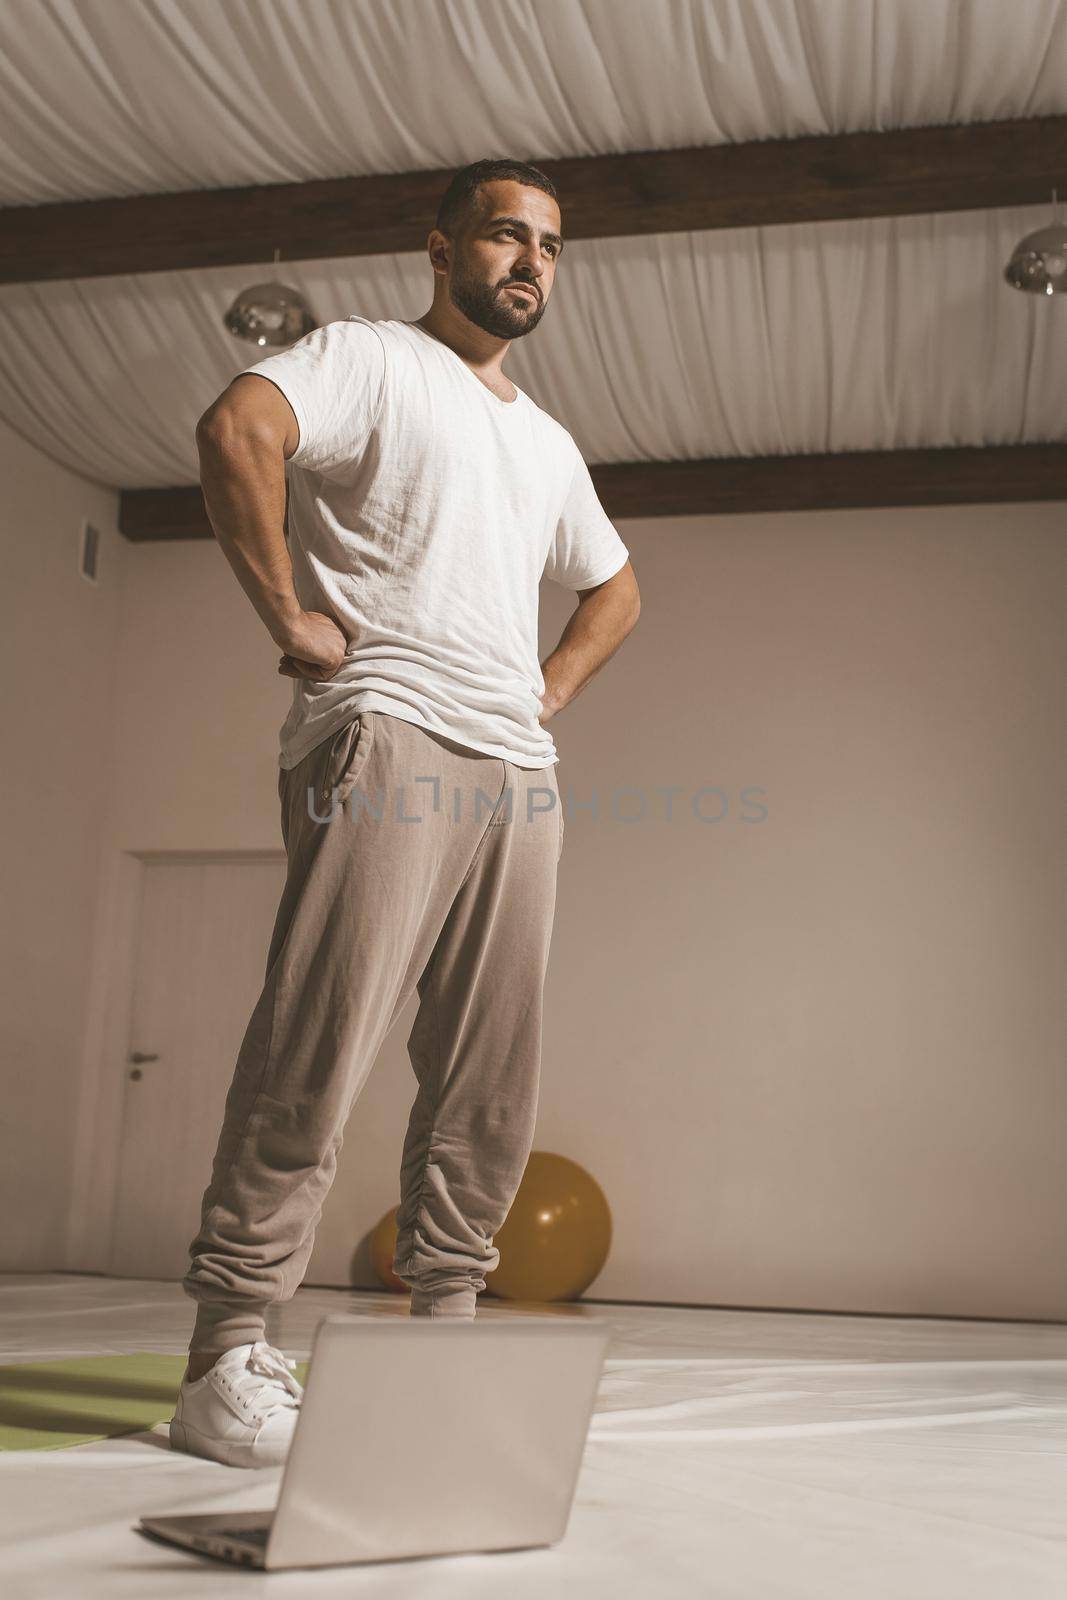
(242, 1412)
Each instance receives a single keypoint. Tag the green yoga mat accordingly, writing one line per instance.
(51, 1405)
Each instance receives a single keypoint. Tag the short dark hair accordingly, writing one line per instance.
(459, 198)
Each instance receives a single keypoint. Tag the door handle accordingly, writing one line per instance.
(139, 1056)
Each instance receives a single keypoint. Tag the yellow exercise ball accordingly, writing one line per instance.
(556, 1237)
(382, 1251)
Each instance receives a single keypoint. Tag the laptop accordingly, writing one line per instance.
(421, 1437)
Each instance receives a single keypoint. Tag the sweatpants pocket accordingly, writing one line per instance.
(346, 756)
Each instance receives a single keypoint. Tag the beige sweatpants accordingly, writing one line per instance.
(414, 863)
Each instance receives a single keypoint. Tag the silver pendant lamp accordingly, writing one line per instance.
(1039, 261)
(270, 314)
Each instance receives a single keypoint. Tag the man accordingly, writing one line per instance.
(428, 496)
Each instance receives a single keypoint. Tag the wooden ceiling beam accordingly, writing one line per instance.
(961, 167)
(715, 487)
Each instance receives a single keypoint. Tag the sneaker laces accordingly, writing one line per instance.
(281, 1391)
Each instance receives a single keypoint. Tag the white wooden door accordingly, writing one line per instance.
(205, 928)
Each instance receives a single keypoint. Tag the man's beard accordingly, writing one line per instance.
(492, 308)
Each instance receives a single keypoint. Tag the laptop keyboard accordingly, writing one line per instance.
(247, 1535)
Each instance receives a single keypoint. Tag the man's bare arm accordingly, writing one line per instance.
(244, 440)
(601, 621)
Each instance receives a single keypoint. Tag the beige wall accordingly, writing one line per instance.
(819, 1060)
(815, 1060)
(57, 660)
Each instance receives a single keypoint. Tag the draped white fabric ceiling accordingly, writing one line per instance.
(831, 336)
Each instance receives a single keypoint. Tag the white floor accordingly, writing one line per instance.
(736, 1455)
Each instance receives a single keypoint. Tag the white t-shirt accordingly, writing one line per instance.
(423, 512)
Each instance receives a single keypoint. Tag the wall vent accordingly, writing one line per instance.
(90, 546)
